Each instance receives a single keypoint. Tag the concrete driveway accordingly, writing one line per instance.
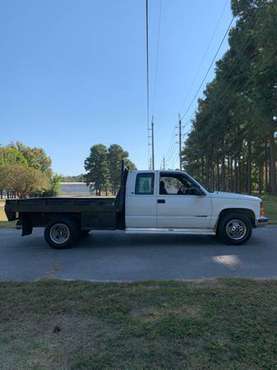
(109, 256)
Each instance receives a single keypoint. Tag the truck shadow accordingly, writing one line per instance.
(106, 240)
(115, 240)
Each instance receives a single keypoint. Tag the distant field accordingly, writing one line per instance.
(74, 189)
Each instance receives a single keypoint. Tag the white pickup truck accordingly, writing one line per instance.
(147, 202)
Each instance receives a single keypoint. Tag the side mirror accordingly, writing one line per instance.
(194, 190)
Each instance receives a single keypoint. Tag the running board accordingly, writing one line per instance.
(132, 230)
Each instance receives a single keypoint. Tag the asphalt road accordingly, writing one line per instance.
(110, 256)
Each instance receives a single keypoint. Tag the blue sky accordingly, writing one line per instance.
(73, 73)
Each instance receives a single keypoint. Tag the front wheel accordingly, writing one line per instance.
(61, 234)
(234, 229)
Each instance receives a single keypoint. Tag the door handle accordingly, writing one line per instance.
(161, 201)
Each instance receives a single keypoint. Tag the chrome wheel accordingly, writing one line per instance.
(59, 233)
(236, 229)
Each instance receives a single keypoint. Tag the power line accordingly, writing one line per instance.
(209, 69)
(174, 160)
(157, 57)
(170, 151)
(237, 62)
(234, 84)
(208, 48)
(164, 166)
(227, 74)
(173, 150)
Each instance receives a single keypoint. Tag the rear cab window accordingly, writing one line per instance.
(144, 184)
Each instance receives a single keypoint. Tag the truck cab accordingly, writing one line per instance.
(172, 201)
(166, 201)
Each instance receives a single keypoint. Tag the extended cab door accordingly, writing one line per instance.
(178, 207)
(141, 202)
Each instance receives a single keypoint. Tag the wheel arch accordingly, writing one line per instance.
(29, 220)
(63, 216)
(245, 211)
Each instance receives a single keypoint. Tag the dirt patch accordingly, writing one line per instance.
(48, 342)
(156, 313)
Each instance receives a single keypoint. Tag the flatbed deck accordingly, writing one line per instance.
(92, 212)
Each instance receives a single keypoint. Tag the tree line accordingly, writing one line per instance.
(232, 144)
(26, 171)
(103, 167)
(76, 178)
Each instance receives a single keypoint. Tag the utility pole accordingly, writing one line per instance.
(163, 163)
(152, 144)
(147, 80)
(180, 142)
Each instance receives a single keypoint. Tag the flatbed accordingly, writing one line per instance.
(92, 212)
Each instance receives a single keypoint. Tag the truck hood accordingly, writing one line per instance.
(225, 195)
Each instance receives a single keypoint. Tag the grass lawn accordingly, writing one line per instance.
(7, 225)
(270, 203)
(217, 324)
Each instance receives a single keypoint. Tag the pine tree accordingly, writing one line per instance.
(96, 165)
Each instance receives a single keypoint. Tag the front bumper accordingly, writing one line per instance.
(262, 221)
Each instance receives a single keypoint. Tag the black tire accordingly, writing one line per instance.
(68, 231)
(234, 228)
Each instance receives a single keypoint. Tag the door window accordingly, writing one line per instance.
(145, 183)
(174, 184)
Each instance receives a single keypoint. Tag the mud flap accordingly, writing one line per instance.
(26, 224)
